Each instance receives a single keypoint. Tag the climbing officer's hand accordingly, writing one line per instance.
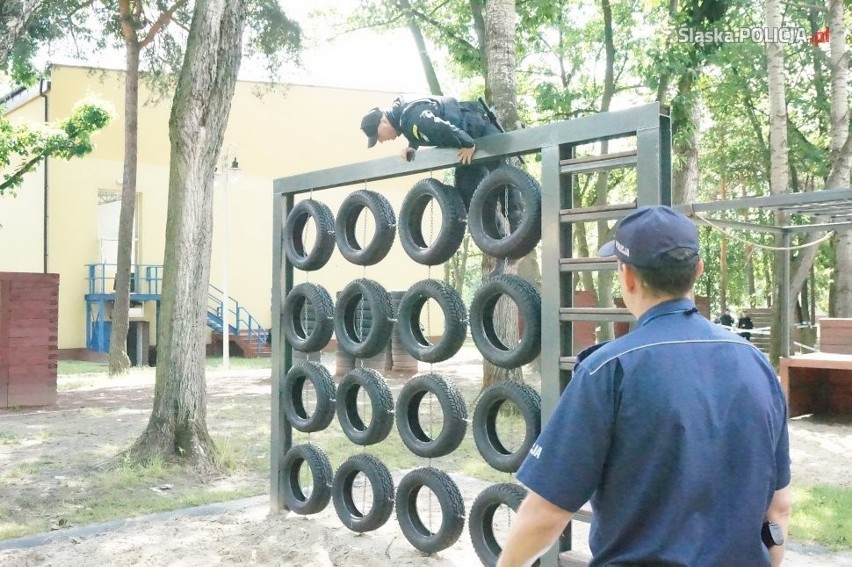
(408, 154)
(466, 154)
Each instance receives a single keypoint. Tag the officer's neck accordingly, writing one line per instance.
(640, 300)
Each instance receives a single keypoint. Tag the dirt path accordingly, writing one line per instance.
(56, 446)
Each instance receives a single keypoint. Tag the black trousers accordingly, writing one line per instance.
(468, 177)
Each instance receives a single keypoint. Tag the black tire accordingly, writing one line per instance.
(453, 221)
(365, 254)
(294, 496)
(449, 499)
(481, 520)
(294, 226)
(412, 337)
(298, 334)
(453, 409)
(292, 402)
(381, 483)
(528, 402)
(482, 217)
(345, 318)
(482, 321)
(381, 406)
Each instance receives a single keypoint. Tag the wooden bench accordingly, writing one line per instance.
(819, 382)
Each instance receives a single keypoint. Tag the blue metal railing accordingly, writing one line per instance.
(147, 280)
(238, 317)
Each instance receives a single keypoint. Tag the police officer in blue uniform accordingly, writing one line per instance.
(676, 432)
(443, 122)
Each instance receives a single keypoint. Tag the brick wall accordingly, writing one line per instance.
(29, 318)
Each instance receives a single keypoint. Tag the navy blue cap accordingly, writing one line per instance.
(370, 125)
(645, 237)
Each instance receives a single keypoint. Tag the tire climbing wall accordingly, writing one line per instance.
(365, 319)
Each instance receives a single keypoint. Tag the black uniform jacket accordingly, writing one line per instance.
(436, 121)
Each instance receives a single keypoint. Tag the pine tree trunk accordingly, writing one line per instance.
(422, 49)
(685, 178)
(178, 424)
(500, 24)
(779, 172)
(841, 147)
(477, 11)
(605, 279)
(119, 363)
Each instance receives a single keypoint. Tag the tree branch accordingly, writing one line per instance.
(13, 179)
(437, 25)
(164, 19)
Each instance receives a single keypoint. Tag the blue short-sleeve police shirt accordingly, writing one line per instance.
(677, 433)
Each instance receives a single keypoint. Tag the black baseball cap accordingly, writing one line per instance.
(370, 125)
(645, 237)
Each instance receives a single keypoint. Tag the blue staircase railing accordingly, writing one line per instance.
(240, 320)
(146, 285)
(145, 280)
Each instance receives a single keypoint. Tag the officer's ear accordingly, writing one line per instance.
(629, 278)
(387, 122)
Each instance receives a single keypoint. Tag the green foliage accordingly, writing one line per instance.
(23, 145)
(269, 34)
(41, 28)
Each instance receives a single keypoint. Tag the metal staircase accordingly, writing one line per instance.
(244, 330)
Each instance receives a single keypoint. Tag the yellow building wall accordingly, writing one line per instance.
(281, 132)
(22, 213)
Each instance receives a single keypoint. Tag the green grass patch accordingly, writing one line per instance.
(7, 438)
(79, 367)
(126, 490)
(74, 367)
(136, 501)
(237, 362)
(22, 470)
(822, 514)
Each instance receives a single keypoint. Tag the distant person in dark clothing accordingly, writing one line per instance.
(745, 323)
(726, 319)
(440, 121)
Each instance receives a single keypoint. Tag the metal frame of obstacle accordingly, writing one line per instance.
(556, 145)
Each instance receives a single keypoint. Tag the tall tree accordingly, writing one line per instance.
(779, 173)
(501, 60)
(841, 148)
(605, 279)
(133, 21)
(200, 110)
(500, 25)
(685, 61)
(422, 48)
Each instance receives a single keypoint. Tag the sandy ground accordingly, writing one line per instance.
(244, 532)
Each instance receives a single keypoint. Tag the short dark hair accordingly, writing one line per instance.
(676, 277)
